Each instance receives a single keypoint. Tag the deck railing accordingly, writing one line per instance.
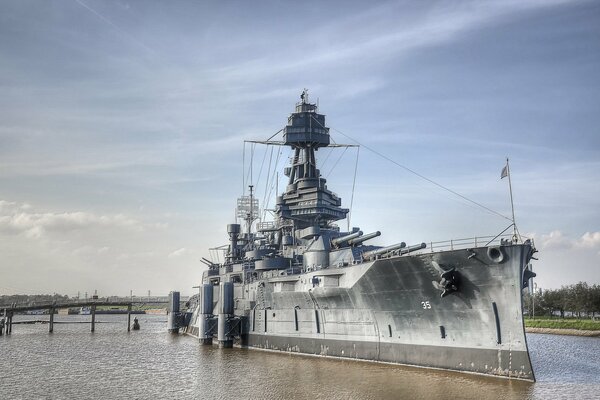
(466, 243)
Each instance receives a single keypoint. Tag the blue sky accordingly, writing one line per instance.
(122, 127)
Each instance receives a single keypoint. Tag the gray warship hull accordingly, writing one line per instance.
(299, 284)
(390, 310)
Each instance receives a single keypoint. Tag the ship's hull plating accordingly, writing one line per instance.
(481, 361)
(390, 310)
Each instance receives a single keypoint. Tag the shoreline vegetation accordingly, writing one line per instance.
(572, 327)
(570, 310)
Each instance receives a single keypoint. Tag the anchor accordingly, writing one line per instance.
(450, 281)
(527, 275)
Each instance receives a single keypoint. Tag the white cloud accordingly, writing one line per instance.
(589, 240)
(6, 205)
(22, 219)
(563, 259)
(178, 253)
(556, 239)
(63, 251)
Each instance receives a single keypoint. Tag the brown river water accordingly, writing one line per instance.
(73, 363)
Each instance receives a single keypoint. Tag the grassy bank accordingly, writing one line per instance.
(581, 324)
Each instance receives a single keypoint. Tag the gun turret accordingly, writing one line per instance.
(360, 239)
(342, 239)
(383, 250)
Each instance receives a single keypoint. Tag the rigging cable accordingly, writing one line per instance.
(275, 134)
(244, 161)
(267, 183)
(422, 176)
(274, 180)
(353, 186)
(261, 167)
(336, 162)
(249, 175)
(244, 169)
(326, 157)
(329, 148)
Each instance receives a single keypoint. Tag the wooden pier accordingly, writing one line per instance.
(8, 312)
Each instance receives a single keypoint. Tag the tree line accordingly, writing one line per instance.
(578, 300)
(7, 300)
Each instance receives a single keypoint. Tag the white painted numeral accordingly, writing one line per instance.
(426, 305)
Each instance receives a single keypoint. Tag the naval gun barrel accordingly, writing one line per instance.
(410, 249)
(363, 238)
(207, 262)
(343, 239)
(383, 250)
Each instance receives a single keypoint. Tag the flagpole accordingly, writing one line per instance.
(512, 205)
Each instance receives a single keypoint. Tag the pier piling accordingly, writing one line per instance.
(225, 313)
(129, 318)
(93, 318)
(206, 306)
(51, 323)
(173, 312)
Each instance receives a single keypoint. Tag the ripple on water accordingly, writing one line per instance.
(111, 363)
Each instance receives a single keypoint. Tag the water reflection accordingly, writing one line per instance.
(111, 363)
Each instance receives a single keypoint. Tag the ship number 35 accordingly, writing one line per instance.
(425, 305)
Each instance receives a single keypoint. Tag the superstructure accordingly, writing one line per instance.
(301, 284)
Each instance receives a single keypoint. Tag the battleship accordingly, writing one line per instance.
(300, 284)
